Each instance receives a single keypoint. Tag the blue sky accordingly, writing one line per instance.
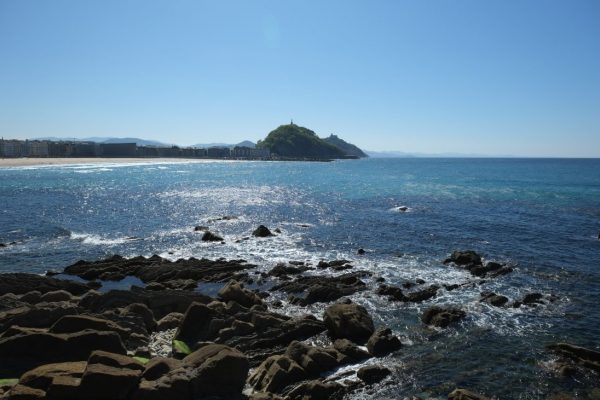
(488, 77)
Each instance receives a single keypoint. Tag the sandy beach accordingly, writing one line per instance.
(27, 162)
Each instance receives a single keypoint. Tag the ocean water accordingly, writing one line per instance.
(540, 215)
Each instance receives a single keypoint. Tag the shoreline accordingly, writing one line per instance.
(34, 162)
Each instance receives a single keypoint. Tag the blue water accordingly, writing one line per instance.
(541, 215)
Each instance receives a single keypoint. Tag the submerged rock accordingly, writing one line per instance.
(588, 358)
(234, 291)
(442, 317)
(472, 261)
(322, 288)
(493, 299)
(464, 394)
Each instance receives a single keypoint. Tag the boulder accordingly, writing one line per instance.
(350, 321)
(464, 394)
(28, 350)
(169, 321)
(442, 317)
(316, 390)
(115, 360)
(41, 315)
(262, 231)
(372, 374)
(314, 360)
(532, 298)
(42, 377)
(322, 288)
(78, 323)
(195, 324)
(383, 342)
(57, 295)
(422, 295)
(275, 374)
(234, 291)
(144, 312)
(158, 367)
(351, 351)
(103, 382)
(208, 236)
(468, 257)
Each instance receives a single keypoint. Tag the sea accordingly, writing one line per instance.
(541, 216)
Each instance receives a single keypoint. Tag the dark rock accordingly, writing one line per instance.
(275, 374)
(32, 349)
(493, 299)
(56, 296)
(21, 283)
(40, 315)
(234, 291)
(372, 374)
(419, 281)
(211, 237)
(350, 321)
(195, 324)
(316, 390)
(464, 394)
(109, 377)
(281, 270)
(422, 295)
(78, 323)
(352, 353)
(532, 298)
(22, 392)
(169, 321)
(360, 252)
(468, 257)
(588, 358)
(200, 228)
(314, 360)
(383, 342)
(144, 312)
(158, 367)
(43, 377)
(442, 317)
(161, 303)
(393, 292)
(262, 231)
(322, 288)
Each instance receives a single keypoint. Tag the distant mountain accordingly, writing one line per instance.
(96, 139)
(348, 148)
(298, 142)
(245, 143)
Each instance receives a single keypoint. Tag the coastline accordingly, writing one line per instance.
(33, 162)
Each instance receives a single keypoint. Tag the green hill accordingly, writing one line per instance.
(295, 141)
(348, 148)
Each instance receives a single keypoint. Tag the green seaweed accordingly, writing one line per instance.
(182, 347)
(143, 360)
(8, 381)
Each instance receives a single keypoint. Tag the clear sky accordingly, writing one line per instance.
(490, 77)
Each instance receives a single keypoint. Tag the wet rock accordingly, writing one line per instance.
(360, 252)
(169, 321)
(282, 270)
(349, 321)
(234, 291)
(493, 299)
(316, 390)
(314, 360)
(350, 351)
(262, 231)
(383, 342)
(442, 317)
(532, 298)
(160, 270)
(468, 257)
(588, 358)
(200, 228)
(372, 374)
(322, 288)
(464, 394)
(208, 236)
(56, 296)
(21, 283)
(422, 295)
(396, 294)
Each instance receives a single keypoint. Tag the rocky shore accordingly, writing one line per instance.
(68, 339)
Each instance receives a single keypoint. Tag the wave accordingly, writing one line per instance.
(98, 240)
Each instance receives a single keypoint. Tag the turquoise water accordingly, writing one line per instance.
(541, 215)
